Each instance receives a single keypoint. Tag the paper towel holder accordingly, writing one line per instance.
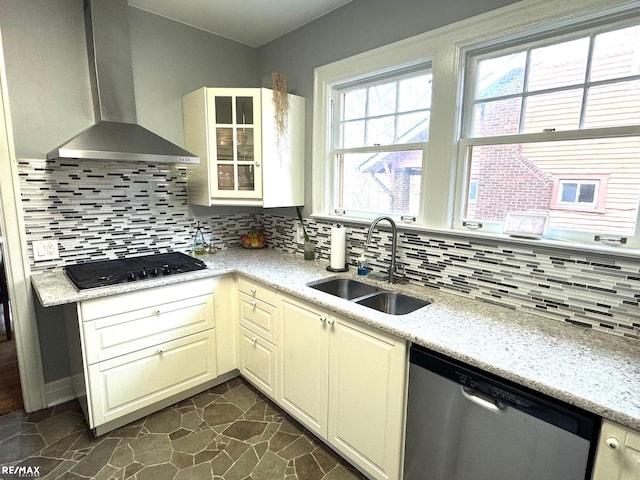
(338, 248)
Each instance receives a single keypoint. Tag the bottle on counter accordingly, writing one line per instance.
(199, 245)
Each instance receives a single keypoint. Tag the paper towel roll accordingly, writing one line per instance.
(338, 247)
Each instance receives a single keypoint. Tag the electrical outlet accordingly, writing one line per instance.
(299, 235)
(45, 250)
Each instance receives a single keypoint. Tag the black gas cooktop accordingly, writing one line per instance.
(132, 269)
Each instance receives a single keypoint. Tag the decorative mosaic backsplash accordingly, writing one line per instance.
(99, 210)
(588, 290)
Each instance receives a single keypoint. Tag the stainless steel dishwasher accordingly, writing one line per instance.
(465, 424)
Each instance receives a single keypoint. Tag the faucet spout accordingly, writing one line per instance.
(394, 243)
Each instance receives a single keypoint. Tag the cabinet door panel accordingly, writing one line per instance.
(127, 383)
(259, 317)
(235, 150)
(256, 290)
(258, 361)
(631, 462)
(304, 346)
(366, 378)
(110, 337)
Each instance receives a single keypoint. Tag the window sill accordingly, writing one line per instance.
(623, 252)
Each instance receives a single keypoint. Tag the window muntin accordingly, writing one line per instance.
(553, 129)
(562, 85)
(387, 112)
(382, 126)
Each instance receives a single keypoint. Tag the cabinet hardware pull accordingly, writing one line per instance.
(156, 313)
(323, 318)
(253, 305)
(613, 443)
(160, 351)
(253, 292)
(254, 340)
(330, 321)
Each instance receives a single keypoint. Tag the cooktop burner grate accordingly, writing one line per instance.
(122, 270)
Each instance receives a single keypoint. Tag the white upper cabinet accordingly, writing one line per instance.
(243, 158)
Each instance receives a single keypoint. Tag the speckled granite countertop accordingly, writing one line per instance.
(595, 371)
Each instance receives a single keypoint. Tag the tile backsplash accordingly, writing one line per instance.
(593, 291)
(99, 210)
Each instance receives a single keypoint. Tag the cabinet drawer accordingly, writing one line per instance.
(257, 290)
(258, 361)
(259, 317)
(149, 298)
(108, 337)
(127, 383)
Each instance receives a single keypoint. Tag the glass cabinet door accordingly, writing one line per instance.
(236, 168)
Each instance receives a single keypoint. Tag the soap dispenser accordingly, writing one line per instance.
(199, 245)
(362, 265)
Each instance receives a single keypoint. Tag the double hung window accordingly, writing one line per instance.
(380, 127)
(552, 127)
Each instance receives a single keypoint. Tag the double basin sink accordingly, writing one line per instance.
(370, 296)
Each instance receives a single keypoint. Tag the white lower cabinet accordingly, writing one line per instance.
(618, 454)
(258, 351)
(130, 382)
(258, 361)
(345, 382)
(130, 351)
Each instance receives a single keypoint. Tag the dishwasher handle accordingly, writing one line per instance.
(481, 400)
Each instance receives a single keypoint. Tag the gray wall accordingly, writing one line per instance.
(359, 26)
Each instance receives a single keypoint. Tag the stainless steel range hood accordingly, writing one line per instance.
(116, 135)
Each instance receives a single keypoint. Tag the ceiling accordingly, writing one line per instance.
(251, 22)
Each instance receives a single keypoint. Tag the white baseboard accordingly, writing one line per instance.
(59, 391)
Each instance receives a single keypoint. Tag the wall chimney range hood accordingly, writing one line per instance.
(116, 134)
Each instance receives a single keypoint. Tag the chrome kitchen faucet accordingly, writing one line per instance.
(393, 275)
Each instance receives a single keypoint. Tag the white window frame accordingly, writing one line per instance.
(584, 237)
(337, 149)
(385, 60)
(444, 177)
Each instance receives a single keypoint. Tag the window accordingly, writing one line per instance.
(535, 108)
(380, 128)
(579, 193)
(536, 111)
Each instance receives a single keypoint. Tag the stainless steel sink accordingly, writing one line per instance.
(344, 288)
(369, 295)
(393, 303)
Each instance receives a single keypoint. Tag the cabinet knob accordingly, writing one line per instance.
(253, 292)
(331, 321)
(160, 351)
(612, 442)
(323, 318)
(254, 340)
(253, 305)
(257, 164)
(156, 313)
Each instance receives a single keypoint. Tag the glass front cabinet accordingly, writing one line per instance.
(244, 160)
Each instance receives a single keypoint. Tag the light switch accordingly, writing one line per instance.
(45, 250)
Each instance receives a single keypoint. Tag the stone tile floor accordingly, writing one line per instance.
(229, 432)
